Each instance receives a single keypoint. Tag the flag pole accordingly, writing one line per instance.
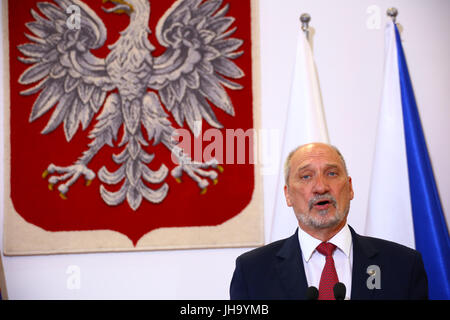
(392, 12)
(304, 19)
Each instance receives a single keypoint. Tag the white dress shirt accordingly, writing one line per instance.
(314, 262)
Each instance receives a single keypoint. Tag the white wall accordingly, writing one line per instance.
(349, 58)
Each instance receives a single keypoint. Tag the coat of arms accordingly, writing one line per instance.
(108, 85)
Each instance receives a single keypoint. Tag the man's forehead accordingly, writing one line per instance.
(317, 150)
(309, 154)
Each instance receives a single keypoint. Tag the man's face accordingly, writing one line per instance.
(318, 188)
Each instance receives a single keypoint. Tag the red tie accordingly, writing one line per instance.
(329, 276)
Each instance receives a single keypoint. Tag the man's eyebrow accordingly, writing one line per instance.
(303, 167)
(327, 166)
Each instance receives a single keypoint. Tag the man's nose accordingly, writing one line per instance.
(321, 185)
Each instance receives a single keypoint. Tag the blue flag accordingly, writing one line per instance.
(430, 229)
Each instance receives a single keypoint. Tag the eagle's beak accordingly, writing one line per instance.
(121, 7)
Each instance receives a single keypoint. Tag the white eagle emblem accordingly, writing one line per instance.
(186, 79)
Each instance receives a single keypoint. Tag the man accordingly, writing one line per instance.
(325, 250)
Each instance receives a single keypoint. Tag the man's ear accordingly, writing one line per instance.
(352, 194)
(288, 198)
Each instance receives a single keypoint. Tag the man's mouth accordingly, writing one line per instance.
(322, 202)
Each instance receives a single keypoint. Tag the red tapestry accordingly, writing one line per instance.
(130, 116)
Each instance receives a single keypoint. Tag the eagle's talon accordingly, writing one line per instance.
(65, 177)
(196, 171)
(203, 191)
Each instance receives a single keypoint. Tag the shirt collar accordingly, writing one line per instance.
(342, 240)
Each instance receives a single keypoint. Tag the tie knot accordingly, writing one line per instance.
(326, 248)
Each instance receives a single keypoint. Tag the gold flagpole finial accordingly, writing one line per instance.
(392, 12)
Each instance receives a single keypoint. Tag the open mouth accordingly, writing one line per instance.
(322, 203)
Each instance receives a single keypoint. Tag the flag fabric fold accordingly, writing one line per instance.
(404, 204)
(305, 123)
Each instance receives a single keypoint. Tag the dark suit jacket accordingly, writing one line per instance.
(275, 271)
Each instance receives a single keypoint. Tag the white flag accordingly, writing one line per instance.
(389, 212)
(305, 123)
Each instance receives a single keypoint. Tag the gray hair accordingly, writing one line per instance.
(287, 162)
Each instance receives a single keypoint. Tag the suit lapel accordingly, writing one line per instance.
(363, 256)
(290, 268)
(291, 271)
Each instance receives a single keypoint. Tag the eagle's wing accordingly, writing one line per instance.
(197, 62)
(67, 74)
